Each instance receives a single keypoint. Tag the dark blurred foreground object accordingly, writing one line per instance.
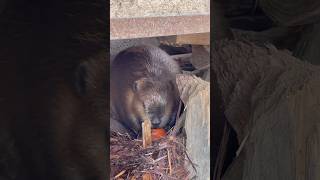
(292, 25)
(292, 13)
(53, 100)
(271, 99)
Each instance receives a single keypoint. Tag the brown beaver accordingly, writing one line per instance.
(143, 86)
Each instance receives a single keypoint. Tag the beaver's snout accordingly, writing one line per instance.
(156, 114)
(155, 122)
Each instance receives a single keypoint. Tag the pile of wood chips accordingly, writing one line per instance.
(165, 158)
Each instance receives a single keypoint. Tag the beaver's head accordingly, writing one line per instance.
(154, 99)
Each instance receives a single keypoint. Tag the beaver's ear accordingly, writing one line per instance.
(80, 78)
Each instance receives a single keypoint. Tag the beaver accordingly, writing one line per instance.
(143, 86)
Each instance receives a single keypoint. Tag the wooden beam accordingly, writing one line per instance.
(194, 39)
(128, 28)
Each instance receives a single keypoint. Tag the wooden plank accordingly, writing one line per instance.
(195, 39)
(128, 28)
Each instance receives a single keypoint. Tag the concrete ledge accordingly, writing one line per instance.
(127, 28)
(157, 8)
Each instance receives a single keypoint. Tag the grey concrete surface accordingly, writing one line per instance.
(152, 8)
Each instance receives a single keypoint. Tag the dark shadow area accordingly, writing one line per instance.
(54, 94)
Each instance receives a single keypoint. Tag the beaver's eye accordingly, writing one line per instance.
(138, 85)
(135, 86)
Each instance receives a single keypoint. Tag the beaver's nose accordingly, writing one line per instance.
(155, 122)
